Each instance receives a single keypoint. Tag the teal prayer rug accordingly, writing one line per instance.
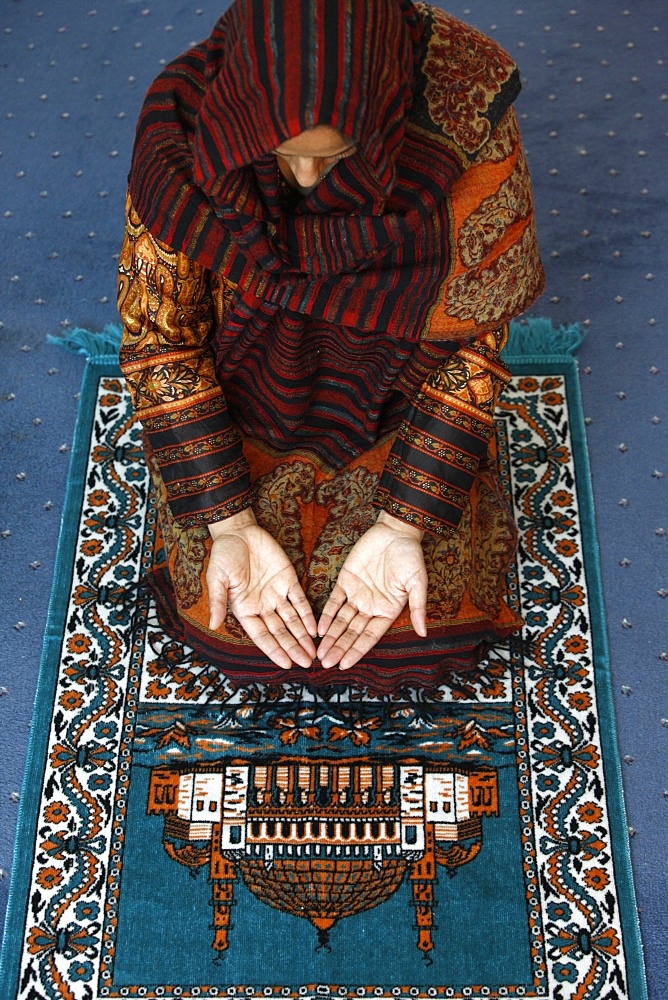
(179, 837)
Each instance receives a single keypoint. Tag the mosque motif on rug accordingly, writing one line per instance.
(188, 838)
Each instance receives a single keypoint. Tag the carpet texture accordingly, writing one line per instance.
(179, 837)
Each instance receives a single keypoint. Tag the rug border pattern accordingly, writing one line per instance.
(48, 677)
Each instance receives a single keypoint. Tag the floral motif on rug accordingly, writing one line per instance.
(195, 839)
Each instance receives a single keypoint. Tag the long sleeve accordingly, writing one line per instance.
(444, 435)
(166, 304)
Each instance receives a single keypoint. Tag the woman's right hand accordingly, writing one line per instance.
(250, 574)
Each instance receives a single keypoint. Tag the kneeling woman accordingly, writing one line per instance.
(329, 228)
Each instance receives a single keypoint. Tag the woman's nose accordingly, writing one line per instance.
(306, 170)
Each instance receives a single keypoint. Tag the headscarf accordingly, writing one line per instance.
(369, 247)
(275, 68)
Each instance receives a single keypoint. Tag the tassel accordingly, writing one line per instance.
(536, 337)
(94, 345)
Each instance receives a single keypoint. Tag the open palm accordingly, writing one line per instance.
(250, 574)
(384, 571)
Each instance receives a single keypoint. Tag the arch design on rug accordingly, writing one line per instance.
(323, 838)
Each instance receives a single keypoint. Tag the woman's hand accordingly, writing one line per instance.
(250, 574)
(384, 570)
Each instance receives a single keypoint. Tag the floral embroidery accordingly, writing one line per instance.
(168, 306)
(350, 513)
(448, 561)
(482, 294)
(495, 215)
(464, 71)
(494, 544)
(504, 139)
(169, 382)
(278, 496)
(187, 546)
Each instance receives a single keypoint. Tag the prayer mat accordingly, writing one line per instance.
(179, 837)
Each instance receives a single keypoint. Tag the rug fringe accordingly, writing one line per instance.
(532, 337)
(106, 343)
(537, 337)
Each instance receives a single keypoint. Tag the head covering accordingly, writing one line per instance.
(275, 68)
(368, 248)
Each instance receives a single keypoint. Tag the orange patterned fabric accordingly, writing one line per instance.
(434, 461)
(442, 416)
(169, 305)
(324, 357)
(317, 516)
(496, 263)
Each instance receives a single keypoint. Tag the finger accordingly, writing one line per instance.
(338, 628)
(295, 625)
(338, 647)
(337, 624)
(217, 606)
(259, 634)
(287, 641)
(365, 641)
(417, 605)
(299, 602)
(335, 602)
(324, 646)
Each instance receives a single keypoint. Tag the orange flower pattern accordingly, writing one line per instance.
(550, 735)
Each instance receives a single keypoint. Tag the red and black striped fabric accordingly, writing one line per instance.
(332, 292)
(368, 248)
(326, 355)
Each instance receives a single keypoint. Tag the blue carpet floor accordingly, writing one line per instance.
(594, 112)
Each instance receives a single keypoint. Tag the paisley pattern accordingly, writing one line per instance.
(348, 500)
(486, 226)
(449, 562)
(500, 145)
(188, 424)
(493, 546)
(383, 256)
(280, 495)
(168, 307)
(187, 545)
(480, 291)
(160, 293)
(464, 75)
(318, 517)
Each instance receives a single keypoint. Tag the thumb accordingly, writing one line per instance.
(217, 605)
(417, 603)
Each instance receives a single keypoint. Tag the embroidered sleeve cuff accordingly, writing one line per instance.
(432, 466)
(434, 460)
(201, 462)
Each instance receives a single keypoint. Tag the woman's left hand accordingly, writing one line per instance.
(384, 571)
